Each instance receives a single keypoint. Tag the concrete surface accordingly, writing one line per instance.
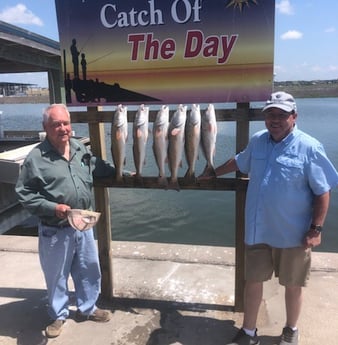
(164, 295)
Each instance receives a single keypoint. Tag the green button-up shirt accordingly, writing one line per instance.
(48, 179)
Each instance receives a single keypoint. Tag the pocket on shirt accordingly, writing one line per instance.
(258, 165)
(291, 168)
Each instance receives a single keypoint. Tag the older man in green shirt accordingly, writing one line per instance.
(57, 176)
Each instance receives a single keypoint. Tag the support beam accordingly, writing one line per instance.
(103, 227)
(55, 84)
(242, 138)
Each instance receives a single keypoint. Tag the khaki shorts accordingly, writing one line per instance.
(291, 265)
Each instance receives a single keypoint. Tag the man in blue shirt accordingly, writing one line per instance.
(287, 201)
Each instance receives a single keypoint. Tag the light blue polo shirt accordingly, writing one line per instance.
(284, 177)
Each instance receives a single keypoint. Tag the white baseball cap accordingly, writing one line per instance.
(281, 100)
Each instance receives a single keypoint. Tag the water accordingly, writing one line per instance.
(193, 217)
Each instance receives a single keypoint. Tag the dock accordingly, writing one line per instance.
(164, 294)
(161, 294)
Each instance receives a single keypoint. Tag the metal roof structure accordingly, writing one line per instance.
(24, 51)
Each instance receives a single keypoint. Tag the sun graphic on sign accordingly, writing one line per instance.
(240, 3)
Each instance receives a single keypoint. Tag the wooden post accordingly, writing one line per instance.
(102, 204)
(96, 119)
(242, 138)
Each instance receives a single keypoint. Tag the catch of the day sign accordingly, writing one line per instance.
(145, 46)
(166, 52)
(181, 11)
(185, 132)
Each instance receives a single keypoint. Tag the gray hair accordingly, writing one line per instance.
(47, 111)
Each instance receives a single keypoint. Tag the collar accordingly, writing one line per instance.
(47, 147)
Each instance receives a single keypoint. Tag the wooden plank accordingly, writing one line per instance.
(240, 250)
(239, 114)
(242, 138)
(104, 240)
(217, 184)
(103, 227)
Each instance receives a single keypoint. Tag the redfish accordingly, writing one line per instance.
(176, 144)
(208, 139)
(140, 138)
(160, 143)
(119, 136)
(192, 140)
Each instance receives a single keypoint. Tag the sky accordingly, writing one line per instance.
(306, 33)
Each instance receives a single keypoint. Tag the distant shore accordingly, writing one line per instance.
(299, 89)
(309, 89)
(24, 99)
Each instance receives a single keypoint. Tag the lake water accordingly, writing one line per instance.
(193, 217)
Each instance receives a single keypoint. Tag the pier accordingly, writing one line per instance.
(164, 294)
(159, 294)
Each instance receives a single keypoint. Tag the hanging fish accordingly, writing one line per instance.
(160, 143)
(192, 140)
(119, 136)
(208, 139)
(176, 144)
(140, 137)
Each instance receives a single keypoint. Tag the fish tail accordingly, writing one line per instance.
(162, 182)
(190, 175)
(173, 184)
(209, 170)
(138, 179)
(118, 177)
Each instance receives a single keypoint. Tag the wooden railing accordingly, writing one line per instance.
(96, 117)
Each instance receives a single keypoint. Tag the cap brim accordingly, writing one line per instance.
(284, 107)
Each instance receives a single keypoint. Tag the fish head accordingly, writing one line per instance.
(194, 116)
(209, 123)
(120, 116)
(142, 116)
(209, 114)
(179, 117)
(162, 116)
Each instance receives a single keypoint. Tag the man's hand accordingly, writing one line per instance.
(61, 210)
(313, 238)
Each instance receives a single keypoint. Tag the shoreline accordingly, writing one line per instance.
(24, 99)
(299, 89)
(309, 89)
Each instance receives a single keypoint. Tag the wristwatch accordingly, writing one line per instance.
(318, 228)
